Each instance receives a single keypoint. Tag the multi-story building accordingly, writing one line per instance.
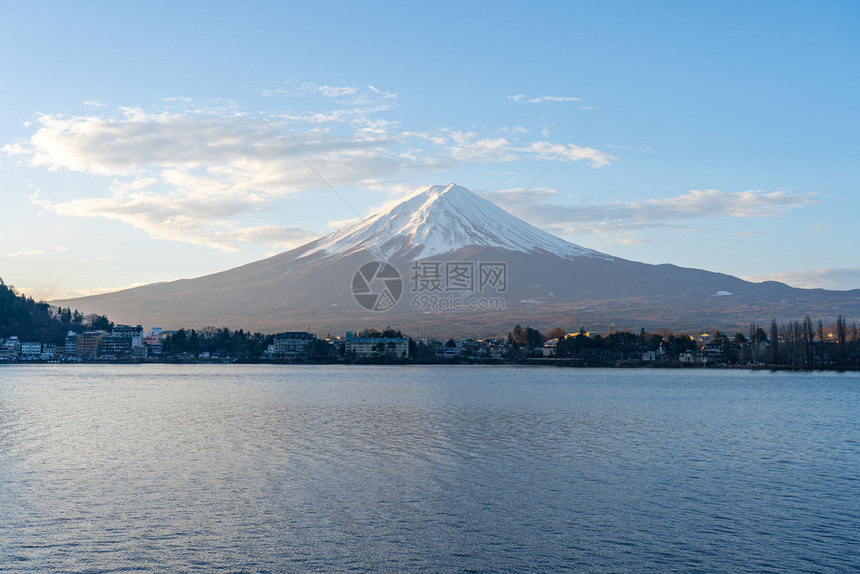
(71, 344)
(88, 343)
(31, 349)
(135, 333)
(153, 346)
(376, 346)
(292, 344)
(114, 346)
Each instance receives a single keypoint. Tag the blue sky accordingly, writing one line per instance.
(135, 144)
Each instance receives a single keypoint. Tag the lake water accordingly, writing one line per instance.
(180, 468)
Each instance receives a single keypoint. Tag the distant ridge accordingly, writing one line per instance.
(549, 282)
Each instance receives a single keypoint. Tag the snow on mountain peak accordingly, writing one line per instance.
(438, 219)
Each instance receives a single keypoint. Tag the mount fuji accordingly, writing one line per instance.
(447, 262)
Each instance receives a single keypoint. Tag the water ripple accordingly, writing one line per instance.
(331, 469)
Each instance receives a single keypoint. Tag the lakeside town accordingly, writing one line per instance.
(797, 344)
(34, 331)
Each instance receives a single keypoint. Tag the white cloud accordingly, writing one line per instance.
(94, 104)
(336, 91)
(28, 253)
(383, 93)
(713, 202)
(471, 147)
(542, 99)
(549, 151)
(16, 149)
(195, 220)
(838, 278)
(519, 98)
(354, 93)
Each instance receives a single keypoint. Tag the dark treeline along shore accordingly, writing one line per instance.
(805, 344)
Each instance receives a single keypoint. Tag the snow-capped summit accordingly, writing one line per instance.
(440, 219)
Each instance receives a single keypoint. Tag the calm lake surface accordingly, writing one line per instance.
(179, 468)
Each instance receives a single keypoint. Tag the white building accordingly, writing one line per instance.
(30, 349)
(291, 345)
(376, 346)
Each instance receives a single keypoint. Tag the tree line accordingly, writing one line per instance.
(803, 343)
(234, 343)
(617, 345)
(812, 345)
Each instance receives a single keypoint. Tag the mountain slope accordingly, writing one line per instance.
(547, 282)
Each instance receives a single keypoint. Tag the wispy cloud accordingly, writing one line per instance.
(839, 278)
(540, 207)
(470, 146)
(356, 94)
(186, 218)
(541, 99)
(28, 253)
(519, 98)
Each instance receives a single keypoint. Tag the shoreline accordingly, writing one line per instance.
(535, 362)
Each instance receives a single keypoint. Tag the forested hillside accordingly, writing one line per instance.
(31, 320)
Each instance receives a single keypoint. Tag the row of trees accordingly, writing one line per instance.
(796, 343)
(526, 341)
(232, 343)
(808, 344)
(238, 343)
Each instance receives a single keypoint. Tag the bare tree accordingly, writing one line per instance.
(807, 338)
(841, 335)
(774, 341)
